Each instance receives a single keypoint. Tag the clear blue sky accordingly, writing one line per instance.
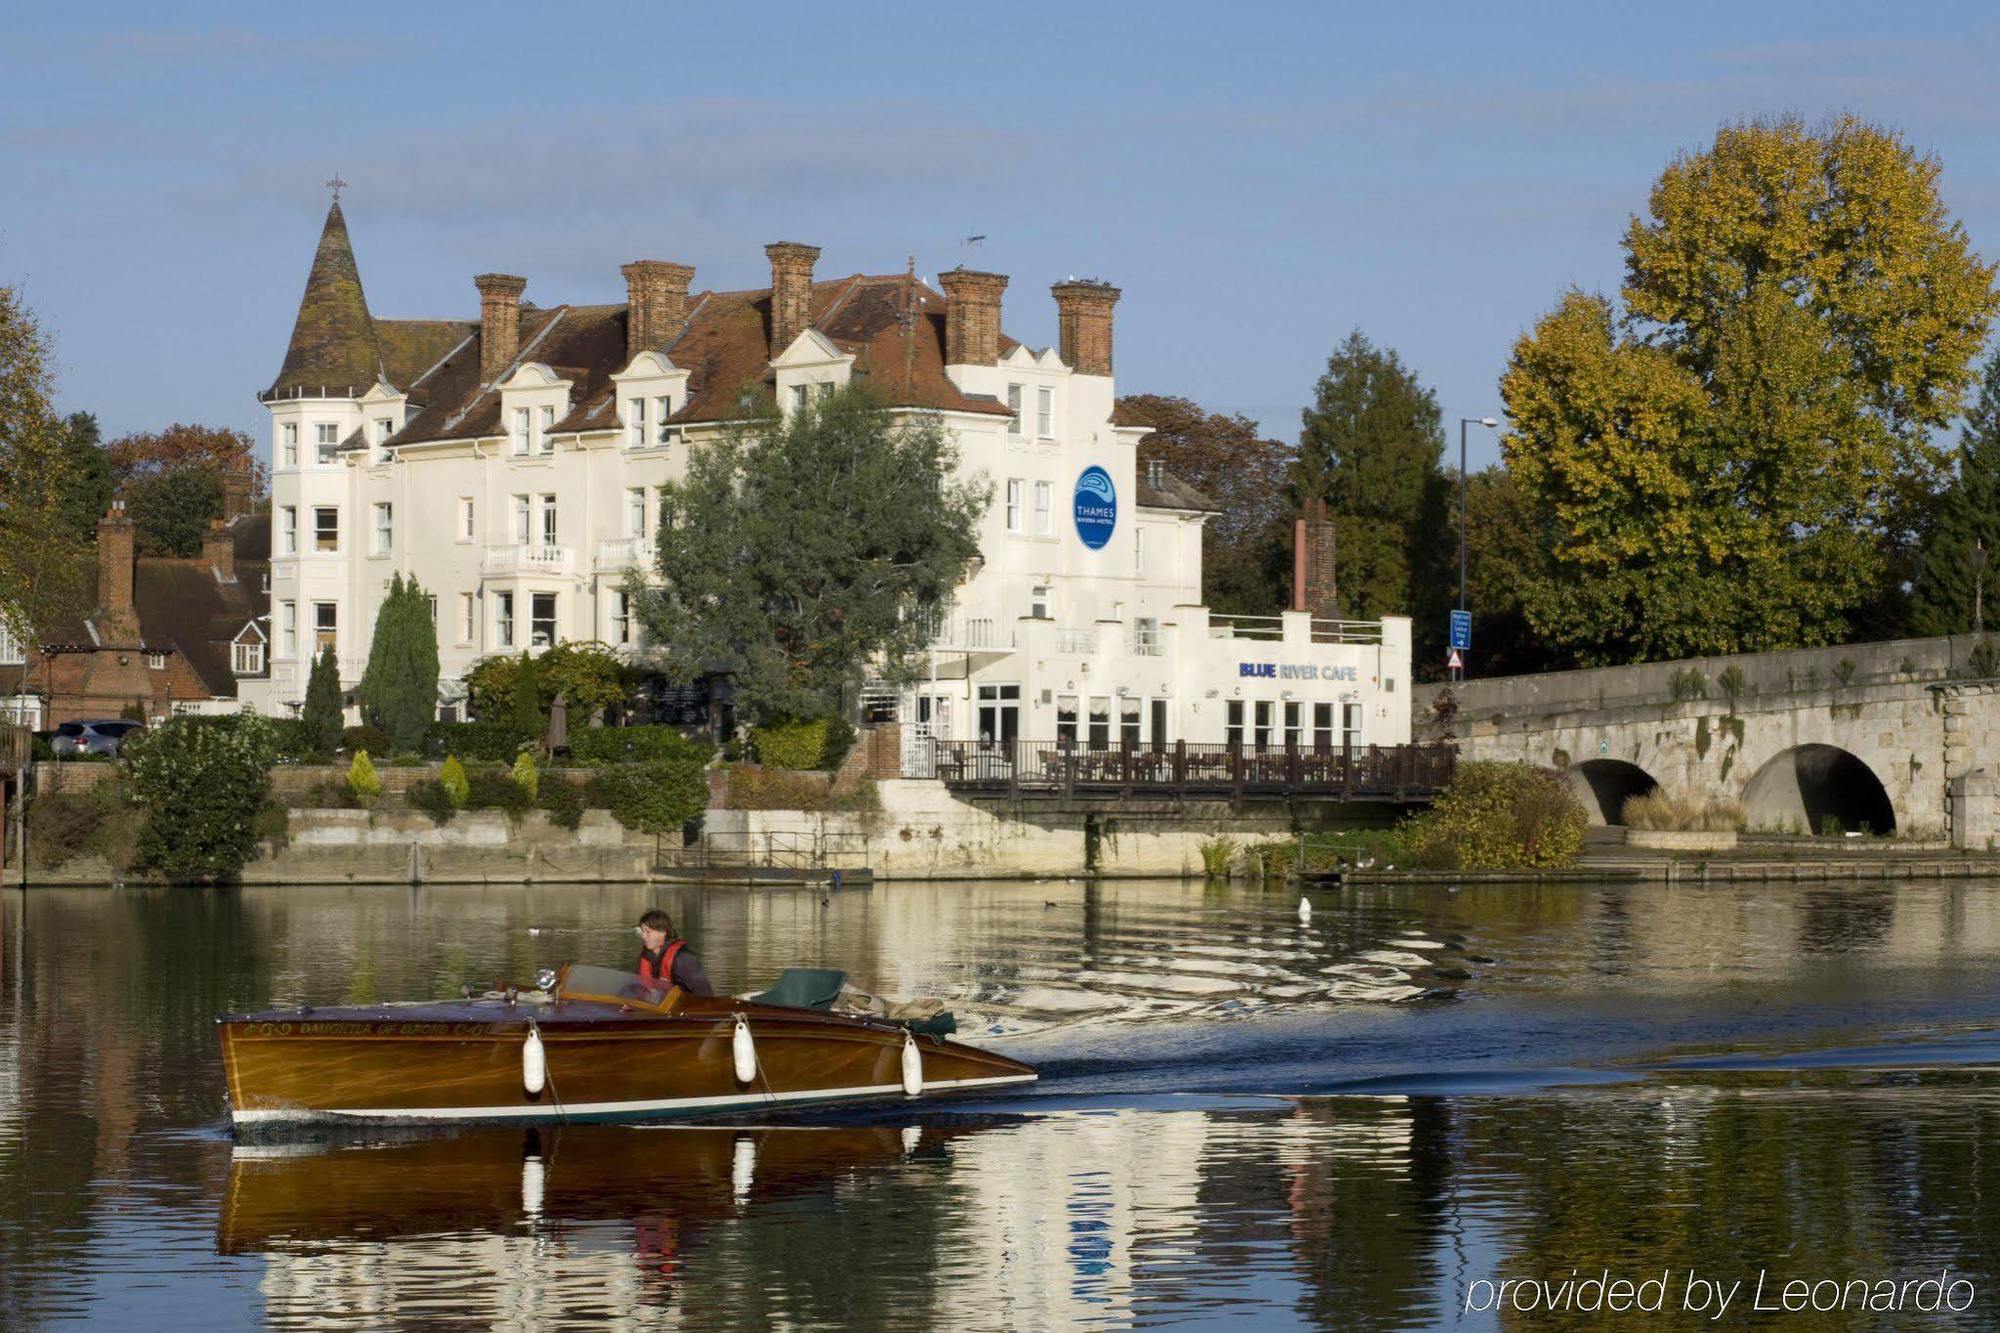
(1258, 178)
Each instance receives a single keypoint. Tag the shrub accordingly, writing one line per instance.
(451, 781)
(363, 781)
(493, 742)
(1660, 809)
(1500, 817)
(273, 825)
(60, 827)
(657, 797)
(40, 750)
(365, 737)
(1216, 854)
(328, 794)
(495, 789)
(791, 743)
(563, 800)
(202, 783)
(433, 798)
(294, 742)
(752, 787)
(618, 745)
(526, 776)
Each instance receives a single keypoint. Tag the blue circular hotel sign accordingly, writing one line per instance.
(1096, 507)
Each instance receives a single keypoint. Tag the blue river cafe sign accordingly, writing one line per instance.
(1096, 507)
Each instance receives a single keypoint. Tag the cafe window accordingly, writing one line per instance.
(1128, 723)
(1322, 728)
(326, 528)
(1066, 721)
(999, 714)
(1100, 722)
(542, 620)
(1233, 730)
(326, 626)
(1351, 725)
(503, 619)
(1293, 716)
(1261, 732)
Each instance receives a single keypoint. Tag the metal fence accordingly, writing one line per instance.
(1373, 772)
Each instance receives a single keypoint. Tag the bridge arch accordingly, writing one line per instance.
(1604, 785)
(1805, 788)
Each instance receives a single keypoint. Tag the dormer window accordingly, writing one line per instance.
(384, 428)
(547, 443)
(523, 423)
(156, 661)
(799, 392)
(635, 422)
(248, 659)
(663, 408)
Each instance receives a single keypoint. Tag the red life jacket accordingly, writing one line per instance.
(664, 975)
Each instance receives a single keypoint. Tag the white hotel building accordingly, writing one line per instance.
(512, 463)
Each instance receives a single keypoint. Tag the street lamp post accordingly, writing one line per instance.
(1464, 423)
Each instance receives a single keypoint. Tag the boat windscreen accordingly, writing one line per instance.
(582, 980)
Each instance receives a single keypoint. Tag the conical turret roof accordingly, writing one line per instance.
(333, 341)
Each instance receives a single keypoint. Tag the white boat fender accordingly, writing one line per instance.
(913, 1067)
(534, 1063)
(744, 1049)
(1305, 910)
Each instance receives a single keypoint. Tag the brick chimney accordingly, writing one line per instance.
(499, 322)
(791, 290)
(656, 294)
(236, 490)
(1083, 314)
(114, 576)
(971, 316)
(1314, 585)
(218, 551)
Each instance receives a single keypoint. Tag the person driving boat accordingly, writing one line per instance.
(665, 959)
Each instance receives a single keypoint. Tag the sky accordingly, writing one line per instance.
(1259, 179)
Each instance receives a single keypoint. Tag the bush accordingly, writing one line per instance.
(526, 776)
(364, 737)
(592, 746)
(1500, 817)
(1216, 854)
(563, 800)
(434, 799)
(273, 825)
(495, 789)
(1660, 809)
(293, 742)
(201, 783)
(363, 781)
(656, 797)
(452, 782)
(60, 827)
(793, 743)
(755, 788)
(329, 794)
(493, 742)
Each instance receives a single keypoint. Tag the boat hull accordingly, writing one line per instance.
(464, 1063)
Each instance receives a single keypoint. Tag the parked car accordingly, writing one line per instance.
(74, 738)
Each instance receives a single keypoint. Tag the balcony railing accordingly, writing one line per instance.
(1076, 642)
(971, 633)
(1347, 631)
(531, 559)
(1246, 627)
(1397, 773)
(626, 553)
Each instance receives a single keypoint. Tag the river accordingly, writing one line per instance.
(1366, 1120)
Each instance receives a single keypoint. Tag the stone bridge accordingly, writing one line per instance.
(1900, 737)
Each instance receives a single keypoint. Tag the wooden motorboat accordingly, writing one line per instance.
(493, 1179)
(593, 1044)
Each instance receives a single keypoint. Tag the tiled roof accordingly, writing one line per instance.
(1173, 493)
(334, 339)
(182, 605)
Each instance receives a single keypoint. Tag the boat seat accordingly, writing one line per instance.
(804, 988)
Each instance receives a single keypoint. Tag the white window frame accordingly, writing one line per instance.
(384, 428)
(385, 527)
(621, 616)
(288, 628)
(663, 407)
(12, 651)
(1044, 509)
(288, 444)
(524, 425)
(326, 440)
(467, 519)
(635, 511)
(549, 529)
(1014, 407)
(1040, 598)
(545, 431)
(524, 518)
(554, 620)
(1045, 413)
(334, 549)
(318, 629)
(1014, 505)
(247, 659)
(503, 620)
(288, 530)
(635, 422)
(468, 618)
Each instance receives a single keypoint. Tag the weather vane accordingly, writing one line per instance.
(336, 185)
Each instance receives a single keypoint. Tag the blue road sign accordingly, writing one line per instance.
(1461, 630)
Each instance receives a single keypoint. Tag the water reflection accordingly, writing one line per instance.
(1106, 1198)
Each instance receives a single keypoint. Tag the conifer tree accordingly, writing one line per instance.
(525, 710)
(323, 716)
(1968, 518)
(399, 687)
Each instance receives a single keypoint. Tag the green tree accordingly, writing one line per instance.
(1246, 547)
(324, 715)
(172, 509)
(1370, 448)
(524, 706)
(801, 554)
(1742, 465)
(1502, 548)
(586, 673)
(201, 781)
(399, 685)
(44, 560)
(92, 480)
(1967, 519)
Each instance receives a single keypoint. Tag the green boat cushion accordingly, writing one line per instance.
(937, 1025)
(804, 988)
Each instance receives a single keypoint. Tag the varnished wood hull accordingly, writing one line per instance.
(463, 1063)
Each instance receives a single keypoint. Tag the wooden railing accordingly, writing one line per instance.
(1359, 773)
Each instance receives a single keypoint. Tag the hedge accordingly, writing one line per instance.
(817, 744)
(657, 797)
(593, 746)
(493, 742)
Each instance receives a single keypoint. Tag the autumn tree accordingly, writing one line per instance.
(215, 449)
(171, 510)
(1246, 564)
(1369, 448)
(1741, 460)
(44, 562)
(1962, 549)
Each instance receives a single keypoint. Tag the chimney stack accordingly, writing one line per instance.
(1315, 587)
(971, 316)
(791, 291)
(114, 576)
(218, 551)
(236, 490)
(656, 294)
(499, 323)
(1083, 314)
